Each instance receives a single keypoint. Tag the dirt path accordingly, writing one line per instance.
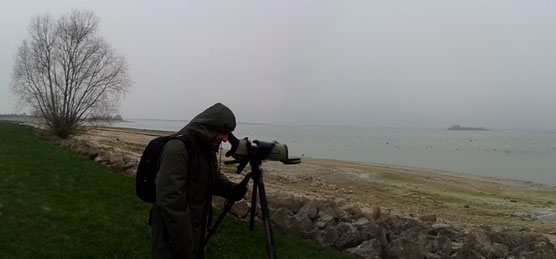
(459, 199)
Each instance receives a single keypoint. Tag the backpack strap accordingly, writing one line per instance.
(190, 145)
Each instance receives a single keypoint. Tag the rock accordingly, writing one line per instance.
(290, 202)
(117, 163)
(281, 217)
(467, 253)
(93, 153)
(400, 224)
(102, 159)
(300, 225)
(241, 209)
(361, 221)
(128, 166)
(513, 239)
(330, 208)
(353, 212)
(218, 202)
(479, 242)
(320, 225)
(439, 245)
(500, 250)
(309, 209)
(325, 221)
(327, 237)
(416, 234)
(443, 230)
(535, 249)
(368, 249)
(404, 248)
(371, 230)
(428, 219)
(349, 236)
(131, 172)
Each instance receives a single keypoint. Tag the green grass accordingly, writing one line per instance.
(56, 204)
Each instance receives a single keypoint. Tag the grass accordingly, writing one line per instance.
(56, 204)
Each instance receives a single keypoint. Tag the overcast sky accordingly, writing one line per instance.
(408, 63)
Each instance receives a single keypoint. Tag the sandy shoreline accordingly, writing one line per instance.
(463, 200)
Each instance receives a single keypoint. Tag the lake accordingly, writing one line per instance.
(522, 155)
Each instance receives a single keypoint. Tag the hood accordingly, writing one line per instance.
(217, 119)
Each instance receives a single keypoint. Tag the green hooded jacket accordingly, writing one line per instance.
(184, 186)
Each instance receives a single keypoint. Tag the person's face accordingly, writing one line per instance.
(219, 139)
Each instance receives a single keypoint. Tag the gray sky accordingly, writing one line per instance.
(363, 63)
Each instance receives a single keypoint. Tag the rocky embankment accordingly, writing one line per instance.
(378, 234)
(382, 235)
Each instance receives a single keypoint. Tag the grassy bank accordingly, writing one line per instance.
(56, 204)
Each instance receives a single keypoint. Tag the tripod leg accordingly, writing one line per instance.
(266, 219)
(253, 204)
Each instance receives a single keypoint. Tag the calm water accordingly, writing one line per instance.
(523, 155)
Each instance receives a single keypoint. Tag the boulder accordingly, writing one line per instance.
(288, 201)
(479, 242)
(241, 209)
(352, 212)
(512, 239)
(416, 234)
(438, 245)
(368, 249)
(131, 172)
(467, 253)
(281, 217)
(218, 202)
(309, 209)
(399, 224)
(535, 249)
(300, 225)
(348, 236)
(92, 153)
(329, 210)
(500, 250)
(443, 230)
(325, 221)
(405, 248)
(325, 237)
(117, 163)
(103, 158)
(370, 230)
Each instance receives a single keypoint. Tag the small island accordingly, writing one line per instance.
(458, 127)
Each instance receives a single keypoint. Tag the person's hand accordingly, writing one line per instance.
(234, 142)
(237, 191)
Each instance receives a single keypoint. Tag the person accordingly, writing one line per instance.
(186, 182)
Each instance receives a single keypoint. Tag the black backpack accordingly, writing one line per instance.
(149, 164)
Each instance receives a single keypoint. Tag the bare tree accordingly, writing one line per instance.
(67, 73)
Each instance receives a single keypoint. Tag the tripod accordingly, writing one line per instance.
(258, 188)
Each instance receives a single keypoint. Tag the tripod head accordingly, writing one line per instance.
(245, 151)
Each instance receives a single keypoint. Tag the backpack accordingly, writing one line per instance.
(149, 165)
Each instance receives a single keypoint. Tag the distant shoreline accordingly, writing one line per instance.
(458, 127)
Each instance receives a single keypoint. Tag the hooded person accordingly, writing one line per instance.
(186, 182)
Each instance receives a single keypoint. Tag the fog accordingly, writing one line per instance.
(423, 64)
